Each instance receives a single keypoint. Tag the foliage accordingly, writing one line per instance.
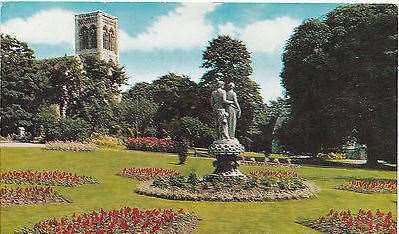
(21, 86)
(277, 113)
(192, 129)
(124, 220)
(347, 222)
(66, 81)
(67, 129)
(331, 156)
(138, 113)
(370, 186)
(101, 92)
(151, 144)
(147, 173)
(341, 76)
(104, 140)
(227, 59)
(29, 195)
(70, 146)
(85, 87)
(175, 95)
(140, 90)
(182, 147)
(52, 178)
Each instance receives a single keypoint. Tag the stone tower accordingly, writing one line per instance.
(97, 33)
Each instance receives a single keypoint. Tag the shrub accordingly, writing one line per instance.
(124, 220)
(70, 146)
(151, 144)
(67, 129)
(182, 150)
(331, 156)
(104, 140)
(192, 129)
(346, 222)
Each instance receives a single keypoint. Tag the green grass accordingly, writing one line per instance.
(114, 192)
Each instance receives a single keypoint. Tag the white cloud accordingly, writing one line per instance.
(266, 36)
(52, 27)
(185, 27)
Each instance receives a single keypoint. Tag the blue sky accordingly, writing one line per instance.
(157, 38)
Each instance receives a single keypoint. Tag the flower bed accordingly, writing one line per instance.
(125, 220)
(271, 173)
(29, 195)
(370, 186)
(151, 144)
(70, 146)
(331, 156)
(147, 173)
(218, 188)
(346, 222)
(269, 164)
(104, 140)
(53, 178)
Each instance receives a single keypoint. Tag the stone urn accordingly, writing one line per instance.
(227, 153)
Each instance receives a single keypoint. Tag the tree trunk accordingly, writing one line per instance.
(372, 157)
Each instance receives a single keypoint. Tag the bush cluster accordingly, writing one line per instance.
(67, 130)
(151, 144)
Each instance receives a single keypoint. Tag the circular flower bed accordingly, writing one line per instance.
(346, 222)
(219, 188)
(147, 173)
(29, 195)
(125, 220)
(53, 178)
(370, 186)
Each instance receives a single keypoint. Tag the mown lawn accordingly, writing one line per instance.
(114, 192)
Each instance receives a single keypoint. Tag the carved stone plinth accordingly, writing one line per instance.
(227, 154)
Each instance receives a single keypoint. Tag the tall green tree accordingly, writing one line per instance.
(228, 59)
(66, 82)
(138, 114)
(21, 86)
(101, 92)
(176, 97)
(341, 75)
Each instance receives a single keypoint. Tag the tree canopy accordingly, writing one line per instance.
(341, 76)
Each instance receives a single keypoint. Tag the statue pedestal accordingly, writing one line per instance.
(227, 154)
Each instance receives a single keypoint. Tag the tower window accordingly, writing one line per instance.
(93, 36)
(83, 38)
(105, 38)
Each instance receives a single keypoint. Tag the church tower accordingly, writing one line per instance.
(97, 33)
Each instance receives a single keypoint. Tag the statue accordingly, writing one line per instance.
(233, 110)
(226, 148)
(218, 102)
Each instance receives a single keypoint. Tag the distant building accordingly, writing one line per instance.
(97, 33)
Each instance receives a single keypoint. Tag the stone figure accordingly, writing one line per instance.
(219, 101)
(233, 110)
